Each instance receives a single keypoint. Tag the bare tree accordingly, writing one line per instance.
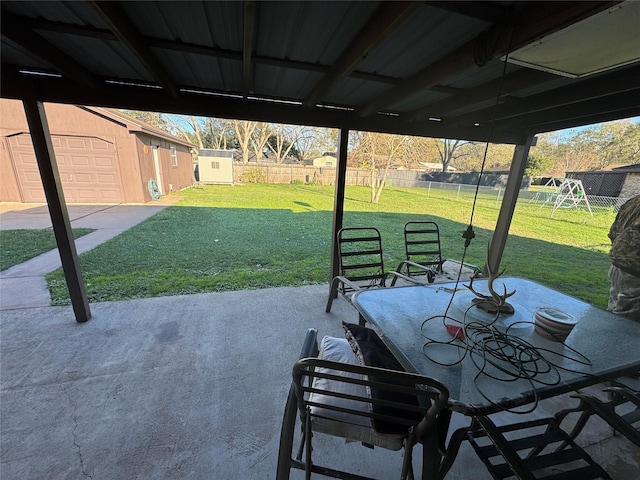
(244, 132)
(259, 139)
(284, 138)
(314, 141)
(379, 152)
(449, 150)
(421, 150)
(220, 132)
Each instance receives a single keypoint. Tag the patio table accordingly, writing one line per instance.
(410, 320)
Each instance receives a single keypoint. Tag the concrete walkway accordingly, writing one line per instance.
(23, 285)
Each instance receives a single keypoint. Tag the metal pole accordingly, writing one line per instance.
(41, 138)
(338, 202)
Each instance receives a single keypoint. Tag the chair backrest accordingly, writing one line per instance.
(422, 246)
(392, 402)
(360, 251)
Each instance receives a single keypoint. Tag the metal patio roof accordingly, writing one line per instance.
(422, 68)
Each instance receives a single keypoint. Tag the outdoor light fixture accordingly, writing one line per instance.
(601, 42)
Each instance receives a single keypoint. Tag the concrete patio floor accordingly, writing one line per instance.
(180, 387)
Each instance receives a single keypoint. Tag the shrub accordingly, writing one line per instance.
(254, 175)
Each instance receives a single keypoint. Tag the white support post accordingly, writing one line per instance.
(509, 199)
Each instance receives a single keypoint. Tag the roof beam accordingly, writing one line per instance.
(611, 106)
(383, 21)
(248, 26)
(132, 98)
(178, 46)
(488, 11)
(599, 86)
(483, 94)
(14, 31)
(116, 19)
(490, 44)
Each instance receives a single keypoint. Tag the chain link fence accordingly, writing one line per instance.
(541, 196)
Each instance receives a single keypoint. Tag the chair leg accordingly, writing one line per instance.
(308, 435)
(333, 293)
(286, 436)
(452, 450)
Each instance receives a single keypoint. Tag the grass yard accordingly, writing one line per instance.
(255, 236)
(17, 246)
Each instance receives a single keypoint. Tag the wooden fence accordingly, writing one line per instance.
(308, 174)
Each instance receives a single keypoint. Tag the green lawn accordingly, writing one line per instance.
(17, 246)
(254, 236)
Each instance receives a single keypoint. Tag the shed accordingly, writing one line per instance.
(621, 182)
(215, 166)
(324, 161)
(103, 156)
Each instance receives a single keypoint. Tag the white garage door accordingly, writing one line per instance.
(87, 165)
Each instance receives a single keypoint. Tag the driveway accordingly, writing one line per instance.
(23, 285)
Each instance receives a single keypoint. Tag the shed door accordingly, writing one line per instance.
(88, 169)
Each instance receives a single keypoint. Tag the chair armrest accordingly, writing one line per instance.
(345, 281)
(625, 394)
(407, 263)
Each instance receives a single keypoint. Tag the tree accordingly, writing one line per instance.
(283, 140)
(449, 150)
(244, 132)
(314, 141)
(380, 151)
(187, 127)
(259, 138)
(219, 134)
(497, 155)
(421, 150)
(155, 119)
(538, 164)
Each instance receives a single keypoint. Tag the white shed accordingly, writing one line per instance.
(215, 166)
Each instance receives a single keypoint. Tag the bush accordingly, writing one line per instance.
(297, 181)
(254, 175)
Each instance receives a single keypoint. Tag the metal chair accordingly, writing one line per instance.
(621, 412)
(422, 247)
(361, 264)
(423, 252)
(526, 450)
(376, 406)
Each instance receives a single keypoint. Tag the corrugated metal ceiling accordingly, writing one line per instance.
(360, 58)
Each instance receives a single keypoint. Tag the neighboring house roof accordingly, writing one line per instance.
(135, 125)
(613, 166)
(435, 166)
(635, 168)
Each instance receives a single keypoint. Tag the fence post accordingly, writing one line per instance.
(458, 195)
(498, 197)
(429, 190)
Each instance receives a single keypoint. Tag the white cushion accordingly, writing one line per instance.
(339, 350)
(345, 425)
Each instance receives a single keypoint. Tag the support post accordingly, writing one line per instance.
(509, 199)
(338, 202)
(41, 138)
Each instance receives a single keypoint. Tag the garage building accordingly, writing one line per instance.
(103, 156)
